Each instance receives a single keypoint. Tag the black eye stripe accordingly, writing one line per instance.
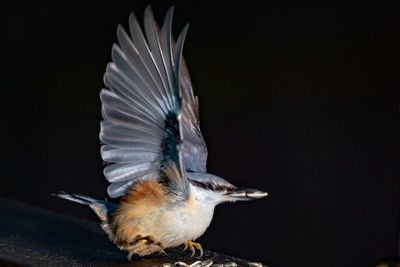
(211, 186)
(198, 184)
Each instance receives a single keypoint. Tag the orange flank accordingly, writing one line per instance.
(130, 226)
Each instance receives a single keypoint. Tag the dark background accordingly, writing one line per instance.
(301, 100)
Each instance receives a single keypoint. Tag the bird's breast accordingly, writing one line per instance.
(148, 211)
(186, 221)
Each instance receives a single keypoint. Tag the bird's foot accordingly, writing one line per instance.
(162, 252)
(193, 245)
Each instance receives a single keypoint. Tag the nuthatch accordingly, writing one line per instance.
(152, 143)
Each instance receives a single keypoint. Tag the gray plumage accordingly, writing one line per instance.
(151, 116)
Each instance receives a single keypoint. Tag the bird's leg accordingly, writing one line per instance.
(193, 245)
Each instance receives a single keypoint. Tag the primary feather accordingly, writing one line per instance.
(150, 112)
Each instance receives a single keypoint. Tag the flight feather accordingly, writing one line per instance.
(150, 114)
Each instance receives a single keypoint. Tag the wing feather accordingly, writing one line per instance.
(128, 155)
(195, 149)
(145, 71)
(124, 108)
(147, 57)
(142, 130)
(150, 28)
(120, 172)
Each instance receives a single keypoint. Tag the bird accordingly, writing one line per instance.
(152, 146)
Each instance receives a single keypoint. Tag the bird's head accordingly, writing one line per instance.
(213, 189)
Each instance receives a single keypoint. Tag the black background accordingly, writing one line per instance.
(298, 99)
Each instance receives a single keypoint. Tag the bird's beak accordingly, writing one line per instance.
(246, 194)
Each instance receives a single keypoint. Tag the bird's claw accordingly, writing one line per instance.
(162, 252)
(192, 245)
(130, 254)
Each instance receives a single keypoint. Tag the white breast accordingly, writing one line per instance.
(188, 221)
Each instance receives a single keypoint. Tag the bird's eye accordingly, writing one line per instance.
(210, 186)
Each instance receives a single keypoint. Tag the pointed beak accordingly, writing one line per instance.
(244, 194)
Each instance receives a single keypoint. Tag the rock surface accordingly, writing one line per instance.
(34, 236)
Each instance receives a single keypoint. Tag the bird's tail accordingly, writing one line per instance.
(103, 209)
(82, 199)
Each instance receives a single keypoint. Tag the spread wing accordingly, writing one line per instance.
(195, 149)
(147, 108)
